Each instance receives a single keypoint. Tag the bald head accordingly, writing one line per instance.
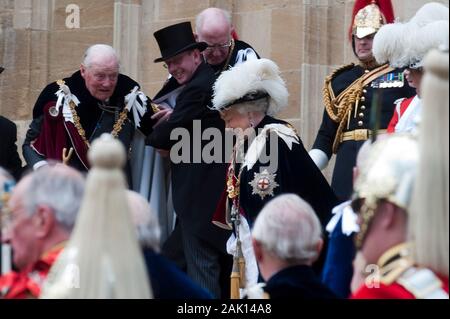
(213, 20)
(213, 26)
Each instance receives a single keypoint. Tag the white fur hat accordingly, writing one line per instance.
(250, 81)
(406, 44)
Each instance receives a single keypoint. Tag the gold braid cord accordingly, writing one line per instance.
(334, 111)
(117, 127)
(339, 107)
(348, 101)
(76, 122)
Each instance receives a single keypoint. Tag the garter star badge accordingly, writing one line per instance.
(263, 184)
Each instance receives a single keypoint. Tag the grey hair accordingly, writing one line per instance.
(288, 228)
(145, 221)
(260, 105)
(99, 50)
(200, 18)
(61, 188)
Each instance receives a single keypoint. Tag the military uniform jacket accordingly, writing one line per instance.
(196, 185)
(399, 278)
(49, 133)
(9, 158)
(391, 87)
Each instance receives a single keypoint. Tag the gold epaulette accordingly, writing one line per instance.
(423, 283)
(394, 262)
(329, 98)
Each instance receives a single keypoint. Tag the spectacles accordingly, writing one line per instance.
(219, 46)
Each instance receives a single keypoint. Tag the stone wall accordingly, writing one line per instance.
(307, 38)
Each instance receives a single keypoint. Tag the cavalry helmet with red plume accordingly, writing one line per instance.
(369, 15)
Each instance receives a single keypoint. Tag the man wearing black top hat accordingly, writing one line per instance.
(196, 185)
(9, 158)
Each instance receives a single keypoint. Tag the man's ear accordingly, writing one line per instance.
(257, 248)
(83, 71)
(388, 215)
(196, 36)
(233, 33)
(44, 221)
(319, 247)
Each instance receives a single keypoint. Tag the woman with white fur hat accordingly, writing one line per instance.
(268, 157)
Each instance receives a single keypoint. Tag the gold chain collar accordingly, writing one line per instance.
(117, 127)
(230, 53)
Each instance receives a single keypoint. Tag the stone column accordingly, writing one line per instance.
(127, 25)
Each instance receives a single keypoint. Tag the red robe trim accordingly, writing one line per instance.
(55, 136)
(28, 283)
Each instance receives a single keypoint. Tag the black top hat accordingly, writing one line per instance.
(176, 39)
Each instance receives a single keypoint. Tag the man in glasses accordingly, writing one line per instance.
(43, 208)
(213, 26)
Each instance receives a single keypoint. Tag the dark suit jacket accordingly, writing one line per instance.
(197, 186)
(297, 282)
(169, 282)
(9, 158)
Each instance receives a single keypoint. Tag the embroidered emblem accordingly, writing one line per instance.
(53, 111)
(263, 184)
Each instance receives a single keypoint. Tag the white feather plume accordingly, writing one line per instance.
(389, 45)
(405, 44)
(260, 75)
(430, 12)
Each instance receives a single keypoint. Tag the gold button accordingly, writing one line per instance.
(360, 123)
(364, 91)
(361, 114)
(363, 99)
(363, 107)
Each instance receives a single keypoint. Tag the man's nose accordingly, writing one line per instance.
(107, 83)
(216, 52)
